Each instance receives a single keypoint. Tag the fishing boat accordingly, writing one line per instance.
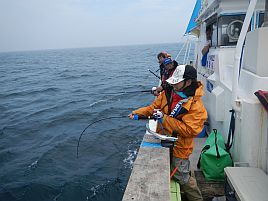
(235, 73)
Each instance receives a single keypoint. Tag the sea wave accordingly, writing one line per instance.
(30, 92)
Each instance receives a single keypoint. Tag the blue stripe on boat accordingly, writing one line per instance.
(151, 144)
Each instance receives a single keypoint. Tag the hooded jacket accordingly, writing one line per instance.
(187, 125)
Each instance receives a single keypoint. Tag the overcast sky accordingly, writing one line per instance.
(53, 24)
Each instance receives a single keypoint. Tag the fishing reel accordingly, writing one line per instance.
(167, 143)
(157, 115)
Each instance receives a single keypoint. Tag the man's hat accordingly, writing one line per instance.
(167, 61)
(181, 73)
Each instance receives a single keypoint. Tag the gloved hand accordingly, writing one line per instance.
(153, 90)
(156, 90)
(157, 114)
(133, 116)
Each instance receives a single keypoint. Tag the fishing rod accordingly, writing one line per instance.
(113, 117)
(169, 141)
(154, 74)
(127, 92)
(78, 143)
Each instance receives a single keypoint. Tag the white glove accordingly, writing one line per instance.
(154, 89)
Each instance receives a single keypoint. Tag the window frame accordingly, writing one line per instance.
(220, 43)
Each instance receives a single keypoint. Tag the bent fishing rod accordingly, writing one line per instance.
(113, 117)
(118, 117)
(78, 143)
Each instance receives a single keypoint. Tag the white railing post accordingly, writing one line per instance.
(238, 50)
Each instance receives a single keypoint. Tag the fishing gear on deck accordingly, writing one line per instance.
(78, 143)
(154, 74)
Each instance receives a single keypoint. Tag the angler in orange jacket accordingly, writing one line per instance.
(183, 115)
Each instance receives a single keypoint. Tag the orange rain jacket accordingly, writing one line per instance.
(187, 125)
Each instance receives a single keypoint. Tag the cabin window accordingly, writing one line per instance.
(229, 28)
(260, 20)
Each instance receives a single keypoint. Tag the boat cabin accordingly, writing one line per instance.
(233, 72)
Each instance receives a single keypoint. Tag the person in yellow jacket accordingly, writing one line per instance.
(182, 116)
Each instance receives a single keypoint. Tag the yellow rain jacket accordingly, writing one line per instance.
(187, 125)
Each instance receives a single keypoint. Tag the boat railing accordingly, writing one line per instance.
(185, 51)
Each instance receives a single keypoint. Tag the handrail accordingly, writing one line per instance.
(187, 45)
(238, 51)
(180, 51)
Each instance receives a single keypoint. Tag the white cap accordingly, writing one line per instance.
(177, 75)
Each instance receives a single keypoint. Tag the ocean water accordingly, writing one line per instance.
(47, 98)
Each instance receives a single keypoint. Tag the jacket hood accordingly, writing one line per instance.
(199, 91)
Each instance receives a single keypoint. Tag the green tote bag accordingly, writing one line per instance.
(214, 157)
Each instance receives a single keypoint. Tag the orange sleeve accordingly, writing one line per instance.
(148, 110)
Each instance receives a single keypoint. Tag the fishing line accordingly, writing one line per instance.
(77, 148)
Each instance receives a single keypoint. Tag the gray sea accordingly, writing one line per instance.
(47, 98)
